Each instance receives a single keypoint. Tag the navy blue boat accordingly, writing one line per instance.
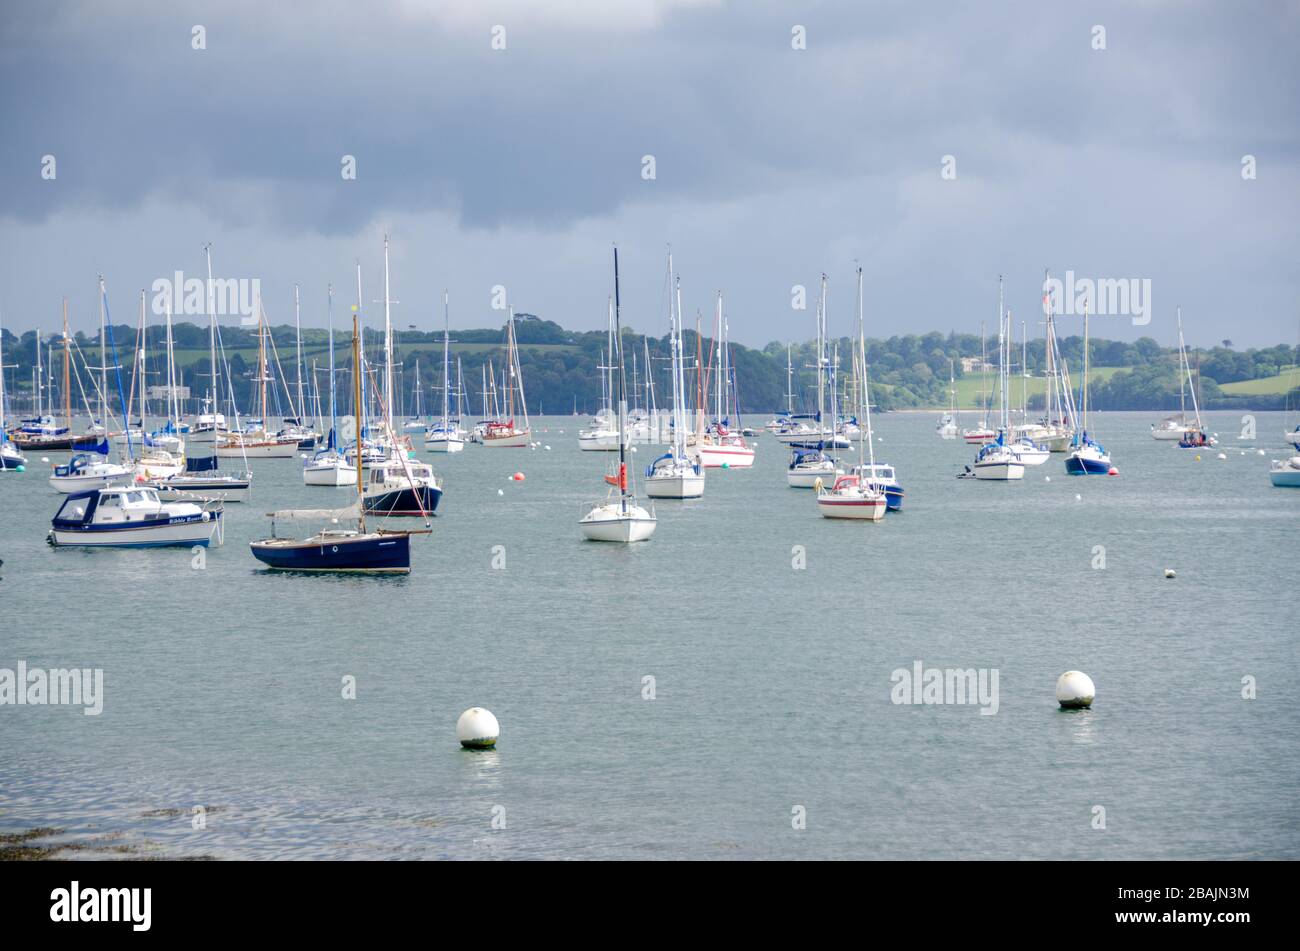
(338, 551)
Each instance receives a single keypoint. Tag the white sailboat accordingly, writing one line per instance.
(329, 466)
(675, 475)
(997, 461)
(444, 437)
(855, 496)
(507, 433)
(618, 517)
(1087, 457)
(1194, 435)
(982, 433)
(947, 427)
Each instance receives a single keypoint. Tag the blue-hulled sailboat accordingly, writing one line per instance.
(355, 551)
(1087, 457)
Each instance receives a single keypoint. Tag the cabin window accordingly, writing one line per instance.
(109, 501)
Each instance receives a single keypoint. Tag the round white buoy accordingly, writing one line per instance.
(1047, 478)
(634, 448)
(547, 448)
(1075, 690)
(45, 458)
(1260, 451)
(1222, 455)
(477, 729)
(501, 491)
(1078, 497)
(1170, 573)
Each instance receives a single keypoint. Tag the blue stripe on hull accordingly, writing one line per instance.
(893, 498)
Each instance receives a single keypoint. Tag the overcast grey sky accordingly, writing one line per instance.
(521, 166)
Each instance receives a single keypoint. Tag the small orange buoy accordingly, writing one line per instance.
(1113, 471)
(518, 477)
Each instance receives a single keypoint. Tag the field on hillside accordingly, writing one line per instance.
(1282, 383)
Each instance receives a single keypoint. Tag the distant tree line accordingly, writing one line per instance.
(561, 367)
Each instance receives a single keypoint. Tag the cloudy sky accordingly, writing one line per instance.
(521, 166)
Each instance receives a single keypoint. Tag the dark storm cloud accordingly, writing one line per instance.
(1062, 152)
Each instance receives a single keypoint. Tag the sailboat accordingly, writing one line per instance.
(854, 496)
(809, 465)
(998, 461)
(89, 467)
(355, 551)
(506, 433)
(1087, 456)
(444, 437)
(329, 466)
(674, 475)
(618, 517)
(981, 433)
(602, 434)
(1026, 450)
(1194, 436)
(255, 439)
(715, 446)
(210, 425)
(11, 458)
(416, 424)
(947, 427)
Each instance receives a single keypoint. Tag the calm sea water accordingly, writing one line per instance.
(772, 685)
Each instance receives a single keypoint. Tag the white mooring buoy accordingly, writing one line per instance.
(1170, 573)
(1074, 690)
(477, 729)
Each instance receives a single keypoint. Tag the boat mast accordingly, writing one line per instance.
(1085, 367)
(356, 396)
(866, 396)
(67, 381)
(446, 358)
(622, 397)
(821, 360)
(679, 382)
(212, 335)
(297, 323)
(388, 339)
(333, 440)
(789, 383)
(103, 356)
(359, 404)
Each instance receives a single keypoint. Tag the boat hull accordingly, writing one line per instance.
(681, 486)
(206, 490)
(872, 510)
(618, 529)
(403, 502)
(384, 553)
(998, 471)
(258, 450)
(730, 457)
(184, 533)
(508, 441)
(444, 445)
(1076, 464)
(329, 475)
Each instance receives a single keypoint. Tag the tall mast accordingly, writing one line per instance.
(821, 358)
(333, 405)
(297, 323)
(173, 412)
(212, 335)
(865, 395)
(622, 397)
(356, 396)
(103, 356)
(388, 339)
(789, 383)
(679, 382)
(446, 357)
(1084, 365)
(143, 369)
(359, 406)
(67, 382)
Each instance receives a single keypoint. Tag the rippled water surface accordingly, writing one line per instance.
(772, 685)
